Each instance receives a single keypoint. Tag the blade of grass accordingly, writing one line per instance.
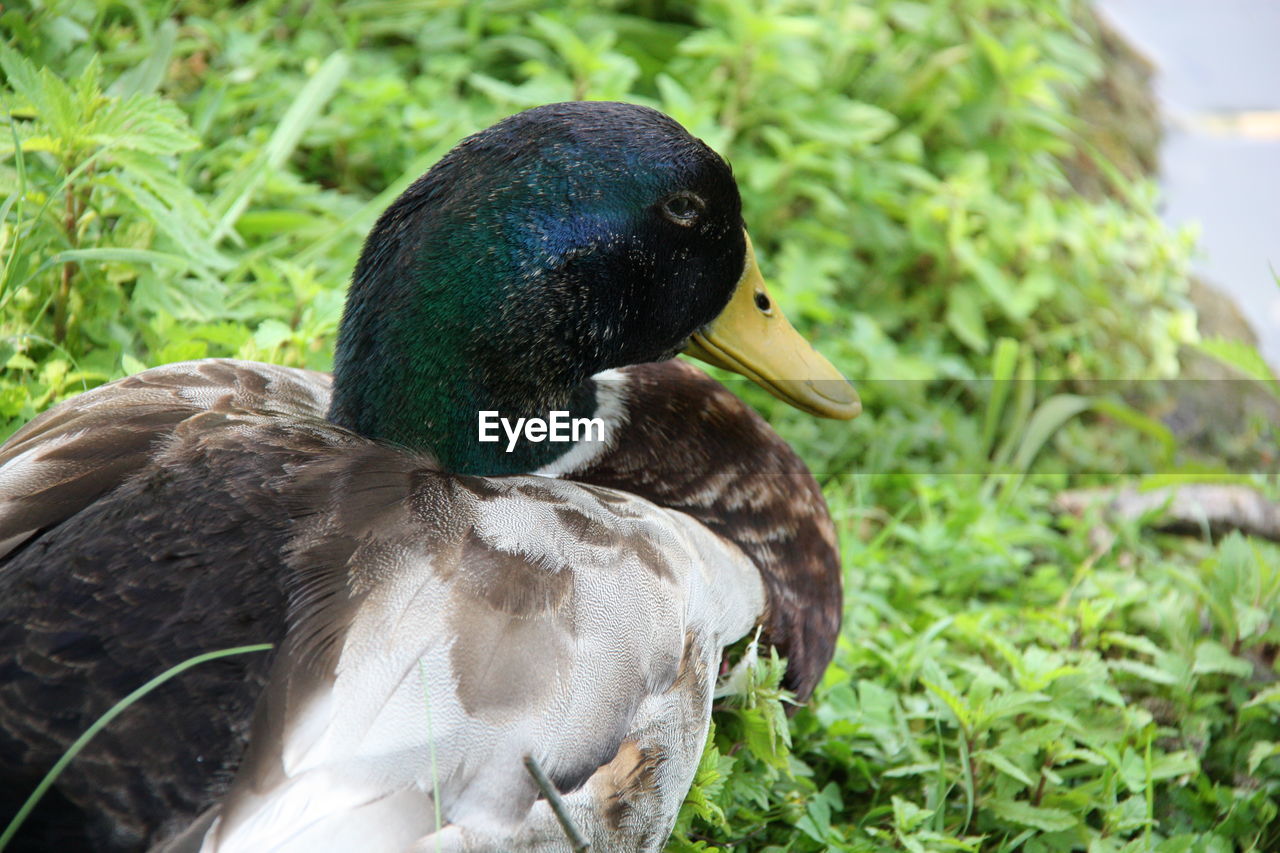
(288, 133)
(1047, 420)
(1024, 402)
(576, 841)
(363, 219)
(431, 740)
(1003, 364)
(102, 722)
(145, 78)
(19, 198)
(116, 253)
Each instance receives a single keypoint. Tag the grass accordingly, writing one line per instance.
(105, 720)
(194, 181)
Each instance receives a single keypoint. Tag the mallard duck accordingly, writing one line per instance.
(442, 606)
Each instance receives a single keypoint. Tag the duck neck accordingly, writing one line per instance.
(448, 406)
(450, 363)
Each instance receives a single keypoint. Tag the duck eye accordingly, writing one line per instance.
(683, 208)
(763, 303)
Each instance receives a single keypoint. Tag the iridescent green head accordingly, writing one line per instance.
(560, 242)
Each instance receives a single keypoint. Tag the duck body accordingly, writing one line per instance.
(440, 609)
(621, 568)
(488, 619)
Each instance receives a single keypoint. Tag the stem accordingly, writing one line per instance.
(576, 841)
(1038, 796)
(62, 300)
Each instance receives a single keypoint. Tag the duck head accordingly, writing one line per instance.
(562, 241)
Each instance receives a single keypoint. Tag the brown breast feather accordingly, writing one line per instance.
(689, 444)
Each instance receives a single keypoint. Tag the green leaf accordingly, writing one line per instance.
(26, 80)
(131, 365)
(964, 317)
(1036, 817)
(1241, 356)
(104, 255)
(907, 816)
(142, 123)
(952, 701)
(1260, 752)
(271, 333)
(1048, 418)
(1143, 671)
(1171, 765)
(1270, 696)
(993, 280)
(1004, 765)
(1212, 656)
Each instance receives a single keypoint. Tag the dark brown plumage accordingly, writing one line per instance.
(169, 555)
(695, 447)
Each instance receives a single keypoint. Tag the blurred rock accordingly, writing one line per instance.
(1212, 410)
(1120, 115)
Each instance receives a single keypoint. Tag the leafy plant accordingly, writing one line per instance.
(194, 181)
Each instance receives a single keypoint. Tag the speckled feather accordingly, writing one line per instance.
(180, 531)
(466, 646)
(693, 446)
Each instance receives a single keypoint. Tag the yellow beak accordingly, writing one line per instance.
(753, 338)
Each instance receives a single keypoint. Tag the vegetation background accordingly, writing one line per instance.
(182, 180)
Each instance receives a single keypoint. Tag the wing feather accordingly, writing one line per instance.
(70, 456)
(467, 645)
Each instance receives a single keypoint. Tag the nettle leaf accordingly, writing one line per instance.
(271, 333)
(30, 138)
(1143, 671)
(1088, 756)
(816, 822)
(178, 225)
(907, 816)
(1004, 765)
(1037, 817)
(1171, 765)
(23, 77)
(176, 351)
(1133, 642)
(1260, 752)
(1132, 769)
(1128, 815)
(144, 123)
(1101, 688)
(761, 735)
(953, 701)
(1013, 704)
(1212, 656)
